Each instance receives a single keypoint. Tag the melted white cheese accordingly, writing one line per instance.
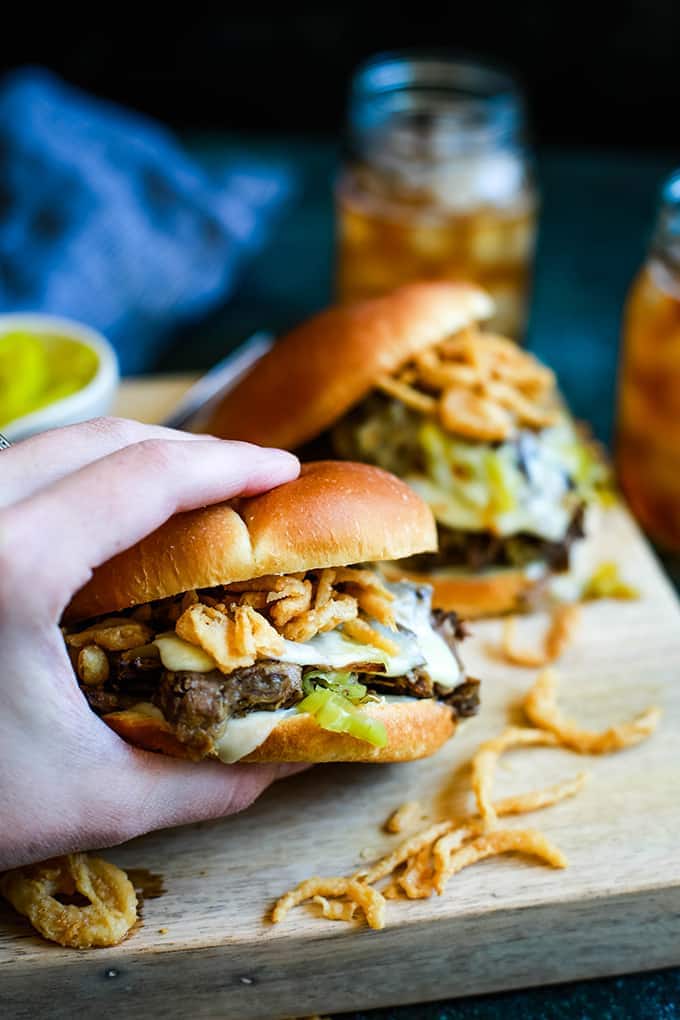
(336, 651)
(330, 649)
(243, 735)
(412, 611)
(542, 497)
(177, 654)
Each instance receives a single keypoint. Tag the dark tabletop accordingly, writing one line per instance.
(597, 213)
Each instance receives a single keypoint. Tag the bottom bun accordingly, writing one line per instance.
(415, 729)
(472, 595)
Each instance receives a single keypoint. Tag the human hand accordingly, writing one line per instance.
(69, 500)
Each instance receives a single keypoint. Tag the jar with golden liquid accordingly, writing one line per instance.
(436, 183)
(648, 430)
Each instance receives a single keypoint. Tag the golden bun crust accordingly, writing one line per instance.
(325, 366)
(147, 732)
(415, 729)
(470, 595)
(334, 514)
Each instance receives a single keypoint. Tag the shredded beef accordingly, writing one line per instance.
(463, 699)
(137, 676)
(449, 626)
(479, 550)
(416, 683)
(198, 704)
(195, 706)
(102, 701)
(267, 684)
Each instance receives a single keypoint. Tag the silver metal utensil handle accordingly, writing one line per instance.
(219, 380)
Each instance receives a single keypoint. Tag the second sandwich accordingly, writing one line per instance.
(411, 382)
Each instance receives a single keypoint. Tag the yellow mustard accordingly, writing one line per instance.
(36, 370)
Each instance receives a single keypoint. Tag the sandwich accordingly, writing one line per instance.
(412, 383)
(252, 631)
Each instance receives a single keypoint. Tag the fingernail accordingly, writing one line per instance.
(284, 456)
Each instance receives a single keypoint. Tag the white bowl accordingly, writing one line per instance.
(92, 400)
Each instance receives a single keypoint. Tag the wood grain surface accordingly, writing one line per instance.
(504, 923)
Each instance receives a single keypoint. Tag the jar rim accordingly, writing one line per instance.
(670, 189)
(462, 104)
(391, 70)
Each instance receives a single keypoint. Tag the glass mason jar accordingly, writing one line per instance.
(436, 183)
(648, 430)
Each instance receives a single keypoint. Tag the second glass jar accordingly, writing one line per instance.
(648, 427)
(436, 183)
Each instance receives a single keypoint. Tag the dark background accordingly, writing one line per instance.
(603, 85)
(599, 73)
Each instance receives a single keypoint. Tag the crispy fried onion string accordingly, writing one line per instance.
(502, 841)
(407, 394)
(253, 617)
(416, 881)
(536, 800)
(234, 637)
(486, 757)
(478, 384)
(541, 708)
(362, 632)
(405, 816)
(115, 634)
(335, 909)
(104, 921)
(409, 848)
(371, 902)
(560, 633)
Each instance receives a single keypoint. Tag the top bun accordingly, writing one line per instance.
(334, 514)
(317, 372)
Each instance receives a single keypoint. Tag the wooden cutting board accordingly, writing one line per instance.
(206, 949)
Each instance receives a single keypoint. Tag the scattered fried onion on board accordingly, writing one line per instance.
(336, 910)
(565, 618)
(405, 816)
(424, 863)
(541, 708)
(483, 769)
(431, 857)
(369, 900)
(501, 841)
(104, 921)
(536, 800)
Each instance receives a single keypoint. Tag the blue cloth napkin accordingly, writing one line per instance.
(105, 219)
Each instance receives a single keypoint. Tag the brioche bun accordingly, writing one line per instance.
(335, 514)
(415, 729)
(492, 593)
(318, 371)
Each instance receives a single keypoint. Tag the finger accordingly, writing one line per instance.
(72, 526)
(41, 460)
